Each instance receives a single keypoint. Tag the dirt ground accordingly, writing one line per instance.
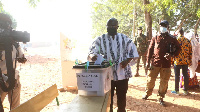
(43, 69)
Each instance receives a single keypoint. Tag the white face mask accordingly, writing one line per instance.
(163, 29)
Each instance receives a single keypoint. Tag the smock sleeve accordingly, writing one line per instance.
(94, 49)
(20, 52)
(132, 53)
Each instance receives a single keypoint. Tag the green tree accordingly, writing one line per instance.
(122, 10)
(32, 3)
(185, 11)
(140, 12)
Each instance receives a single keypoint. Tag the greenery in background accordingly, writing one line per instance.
(178, 10)
(122, 10)
(32, 3)
(174, 11)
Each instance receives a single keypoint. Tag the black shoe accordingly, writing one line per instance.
(136, 75)
(145, 97)
(162, 103)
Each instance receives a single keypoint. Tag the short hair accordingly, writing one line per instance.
(112, 21)
(181, 31)
(5, 18)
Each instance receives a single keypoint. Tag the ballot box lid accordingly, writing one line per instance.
(104, 64)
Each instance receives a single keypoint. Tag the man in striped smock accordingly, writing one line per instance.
(119, 49)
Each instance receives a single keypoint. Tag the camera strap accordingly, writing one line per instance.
(1, 106)
(9, 65)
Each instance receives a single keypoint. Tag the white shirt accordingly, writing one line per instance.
(195, 56)
(117, 50)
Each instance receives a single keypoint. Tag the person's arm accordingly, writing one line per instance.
(135, 41)
(20, 58)
(150, 50)
(20, 52)
(147, 44)
(190, 53)
(132, 55)
(94, 50)
(178, 47)
(125, 63)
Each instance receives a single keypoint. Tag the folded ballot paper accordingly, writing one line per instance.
(99, 60)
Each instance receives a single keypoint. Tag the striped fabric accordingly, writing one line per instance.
(117, 50)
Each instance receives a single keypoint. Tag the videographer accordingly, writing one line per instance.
(17, 55)
(10, 53)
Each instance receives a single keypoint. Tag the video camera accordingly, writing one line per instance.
(6, 31)
(19, 36)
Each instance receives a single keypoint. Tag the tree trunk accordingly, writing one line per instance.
(134, 16)
(196, 26)
(181, 24)
(148, 21)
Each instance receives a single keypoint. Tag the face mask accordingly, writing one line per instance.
(139, 32)
(163, 29)
(112, 31)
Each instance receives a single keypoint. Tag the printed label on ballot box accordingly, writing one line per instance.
(88, 81)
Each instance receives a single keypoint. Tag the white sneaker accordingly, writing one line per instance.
(185, 92)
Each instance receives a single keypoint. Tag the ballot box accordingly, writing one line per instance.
(93, 80)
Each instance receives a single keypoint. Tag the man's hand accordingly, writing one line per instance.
(168, 56)
(123, 64)
(94, 58)
(22, 60)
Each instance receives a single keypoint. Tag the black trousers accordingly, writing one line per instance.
(121, 87)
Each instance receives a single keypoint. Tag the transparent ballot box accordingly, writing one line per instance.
(94, 80)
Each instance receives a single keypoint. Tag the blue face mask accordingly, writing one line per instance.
(163, 29)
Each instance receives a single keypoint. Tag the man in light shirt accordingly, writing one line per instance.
(119, 49)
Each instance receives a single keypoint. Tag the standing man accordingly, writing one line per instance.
(141, 42)
(119, 49)
(16, 55)
(15, 93)
(182, 61)
(160, 51)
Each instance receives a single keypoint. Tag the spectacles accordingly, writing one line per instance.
(112, 26)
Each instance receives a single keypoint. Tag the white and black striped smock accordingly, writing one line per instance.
(117, 50)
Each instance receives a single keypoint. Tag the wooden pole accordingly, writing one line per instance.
(179, 25)
(196, 26)
(134, 14)
(37, 103)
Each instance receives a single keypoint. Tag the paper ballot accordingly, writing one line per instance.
(99, 60)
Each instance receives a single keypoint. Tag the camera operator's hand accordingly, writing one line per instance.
(22, 60)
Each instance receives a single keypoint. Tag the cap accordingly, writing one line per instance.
(112, 22)
(164, 22)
